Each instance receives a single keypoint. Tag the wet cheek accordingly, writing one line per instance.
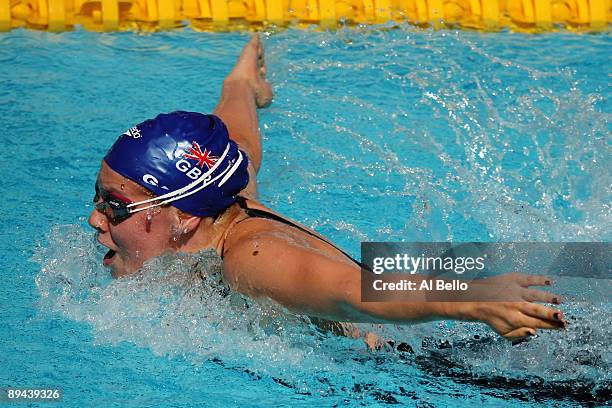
(139, 242)
(128, 237)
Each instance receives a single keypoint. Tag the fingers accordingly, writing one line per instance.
(261, 64)
(513, 319)
(532, 280)
(520, 333)
(541, 323)
(248, 50)
(549, 317)
(536, 295)
(261, 59)
(255, 39)
(260, 48)
(253, 43)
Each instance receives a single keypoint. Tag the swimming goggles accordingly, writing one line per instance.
(114, 206)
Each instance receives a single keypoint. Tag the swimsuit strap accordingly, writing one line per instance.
(259, 213)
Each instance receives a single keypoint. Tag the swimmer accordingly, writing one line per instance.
(185, 181)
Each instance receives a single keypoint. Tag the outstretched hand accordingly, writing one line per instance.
(515, 316)
(251, 68)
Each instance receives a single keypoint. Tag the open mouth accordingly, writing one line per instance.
(108, 258)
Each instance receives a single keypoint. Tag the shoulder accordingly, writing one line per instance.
(259, 247)
(264, 261)
(266, 258)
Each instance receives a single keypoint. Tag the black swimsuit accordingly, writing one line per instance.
(257, 213)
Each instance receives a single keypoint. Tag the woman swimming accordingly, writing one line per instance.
(185, 181)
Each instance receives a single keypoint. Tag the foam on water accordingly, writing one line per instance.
(175, 305)
(178, 306)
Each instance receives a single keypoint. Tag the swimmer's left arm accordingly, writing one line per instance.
(305, 281)
(308, 282)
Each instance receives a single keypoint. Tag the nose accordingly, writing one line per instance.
(98, 221)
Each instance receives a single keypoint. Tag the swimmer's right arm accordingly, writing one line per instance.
(244, 90)
(237, 110)
(309, 283)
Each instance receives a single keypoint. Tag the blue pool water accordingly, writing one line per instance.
(374, 134)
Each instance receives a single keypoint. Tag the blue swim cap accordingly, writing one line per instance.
(186, 159)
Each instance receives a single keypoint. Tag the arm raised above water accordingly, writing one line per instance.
(244, 90)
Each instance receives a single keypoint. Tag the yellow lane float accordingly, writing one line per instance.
(222, 15)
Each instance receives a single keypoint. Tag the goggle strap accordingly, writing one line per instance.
(187, 187)
(227, 173)
(232, 170)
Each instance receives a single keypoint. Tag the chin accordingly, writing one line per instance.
(117, 265)
(118, 271)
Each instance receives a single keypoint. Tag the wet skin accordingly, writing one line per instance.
(144, 235)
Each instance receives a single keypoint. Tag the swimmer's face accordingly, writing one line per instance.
(138, 238)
